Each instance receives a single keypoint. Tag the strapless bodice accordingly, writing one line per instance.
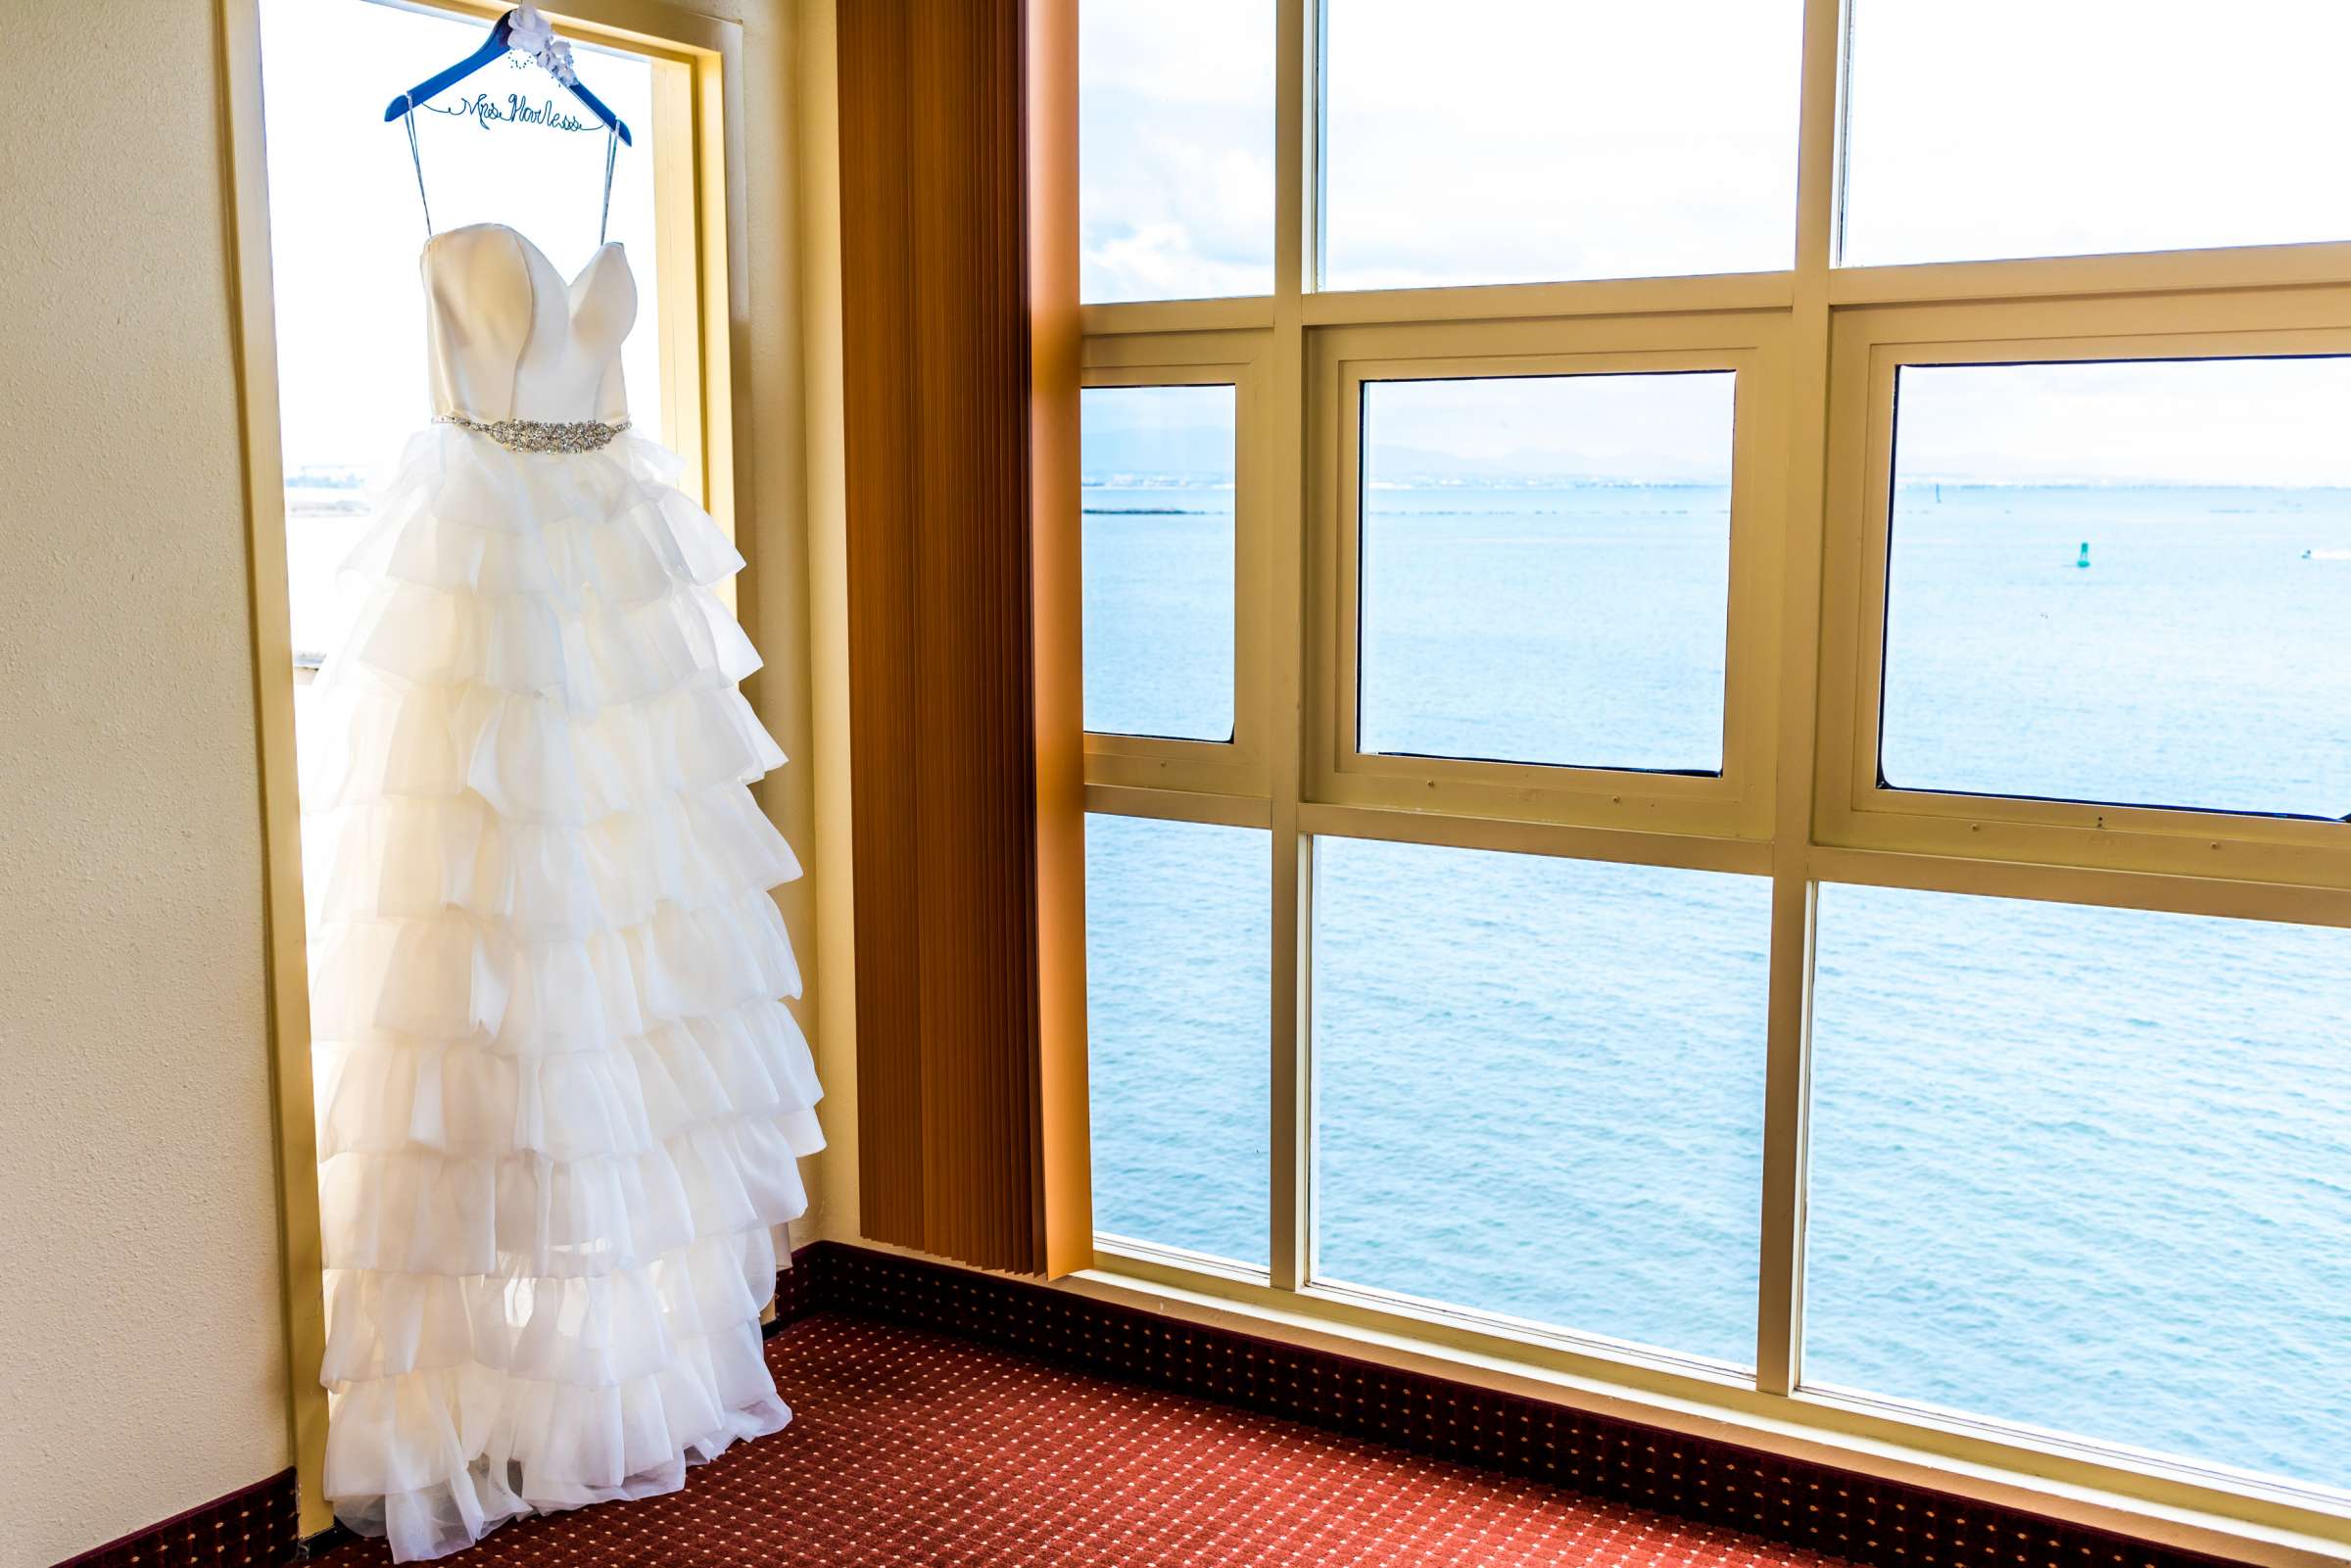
(511, 340)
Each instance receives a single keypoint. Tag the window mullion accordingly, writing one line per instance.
(1780, 1266)
(1285, 688)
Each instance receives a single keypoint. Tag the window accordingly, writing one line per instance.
(1158, 548)
(2083, 1168)
(1175, 952)
(1176, 149)
(345, 228)
(1545, 569)
(2144, 129)
(1523, 141)
(1741, 912)
(1615, 1193)
(2146, 561)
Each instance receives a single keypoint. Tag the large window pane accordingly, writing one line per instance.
(1178, 934)
(1175, 149)
(2122, 582)
(1158, 543)
(1545, 569)
(2051, 127)
(1539, 1088)
(1512, 141)
(345, 230)
(2086, 1169)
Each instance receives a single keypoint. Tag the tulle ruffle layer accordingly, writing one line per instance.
(457, 976)
(531, 759)
(560, 1107)
(588, 1331)
(386, 1093)
(434, 1459)
(462, 512)
(414, 856)
(529, 1217)
(586, 658)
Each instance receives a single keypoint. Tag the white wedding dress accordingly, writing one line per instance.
(559, 1105)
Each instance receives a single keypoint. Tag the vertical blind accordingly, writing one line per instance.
(959, 266)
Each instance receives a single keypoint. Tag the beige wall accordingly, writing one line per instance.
(141, 1368)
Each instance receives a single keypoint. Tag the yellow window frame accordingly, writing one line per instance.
(1225, 771)
(1733, 803)
(1856, 811)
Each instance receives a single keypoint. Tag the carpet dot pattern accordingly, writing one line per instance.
(1679, 1476)
(910, 1446)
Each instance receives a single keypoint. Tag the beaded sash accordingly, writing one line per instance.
(541, 435)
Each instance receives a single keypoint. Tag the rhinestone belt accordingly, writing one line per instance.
(541, 435)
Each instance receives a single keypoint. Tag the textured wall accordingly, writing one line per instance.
(141, 1368)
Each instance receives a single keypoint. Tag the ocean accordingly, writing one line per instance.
(2081, 1170)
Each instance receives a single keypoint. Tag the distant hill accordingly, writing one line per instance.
(1195, 455)
(1204, 454)
(1395, 463)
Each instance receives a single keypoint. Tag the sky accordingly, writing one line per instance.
(1519, 142)
(1652, 429)
(1175, 148)
(1524, 140)
(1983, 128)
(2187, 422)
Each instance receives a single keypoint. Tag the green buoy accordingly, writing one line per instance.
(2083, 562)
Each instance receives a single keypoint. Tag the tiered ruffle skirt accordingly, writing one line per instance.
(559, 1105)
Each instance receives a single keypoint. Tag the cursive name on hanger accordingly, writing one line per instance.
(515, 110)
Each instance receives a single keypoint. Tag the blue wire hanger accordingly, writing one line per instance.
(495, 49)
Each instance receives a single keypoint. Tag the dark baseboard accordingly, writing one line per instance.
(312, 1547)
(1857, 1517)
(253, 1527)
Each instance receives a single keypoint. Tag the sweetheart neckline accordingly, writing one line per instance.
(571, 282)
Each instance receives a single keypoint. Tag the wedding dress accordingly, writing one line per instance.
(559, 1105)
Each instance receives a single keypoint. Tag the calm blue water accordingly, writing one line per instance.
(2084, 1169)
(1162, 558)
(2200, 661)
(1630, 580)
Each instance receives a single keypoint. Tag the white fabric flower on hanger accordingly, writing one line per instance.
(534, 36)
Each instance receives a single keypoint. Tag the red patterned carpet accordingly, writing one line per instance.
(912, 1449)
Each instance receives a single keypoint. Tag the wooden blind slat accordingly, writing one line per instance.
(964, 1066)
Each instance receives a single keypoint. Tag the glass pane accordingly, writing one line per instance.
(1175, 149)
(2122, 582)
(345, 230)
(1545, 569)
(1983, 128)
(1524, 140)
(1179, 939)
(2086, 1169)
(1158, 543)
(1539, 1088)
